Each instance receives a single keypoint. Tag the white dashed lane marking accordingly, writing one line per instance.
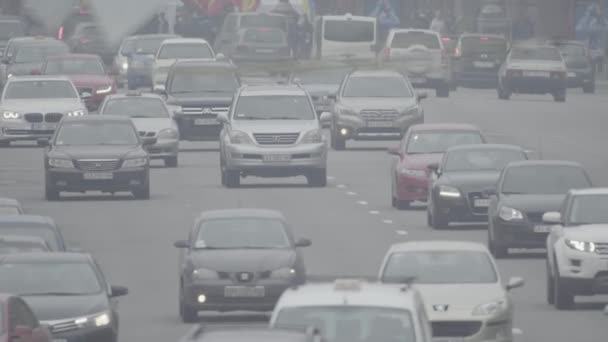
(374, 212)
(341, 186)
(401, 232)
(387, 221)
(351, 193)
(517, 331)
(362, 202)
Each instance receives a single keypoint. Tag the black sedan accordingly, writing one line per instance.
(526, 190)
(97, 152)
(66, 291)
(238, 260)
(33, 226)
(581, 71)
(457, 189)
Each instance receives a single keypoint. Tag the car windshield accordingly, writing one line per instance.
(440, 141)
(96, 133)
(31, 279)
(274, 107)
(186, 50)
(440, 267)
(143, 46)
(242, 233)
(348, 323)
(405, 40)
(371, 86)
(264, 36)
(41, 232)
(483, 45)
(13, 247)
(4, 210)
(55, 89)
(351, 31)
(589, 209)
(72, 66)
(10, 29)
(544, 179)
(539, 53)
(326, 76)
(38, 53)
(481, 159)
(192, 81)
(136, 107)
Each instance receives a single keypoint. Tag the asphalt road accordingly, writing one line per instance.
(351, 222)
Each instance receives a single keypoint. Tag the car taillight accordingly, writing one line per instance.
(515, 73)
(457, 52)
(446, 39)
(60, 33)
(387, 53)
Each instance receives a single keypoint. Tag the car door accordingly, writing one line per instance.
(23, 322)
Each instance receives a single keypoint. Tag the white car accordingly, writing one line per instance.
(175, 49)
(577, 247)
(460, 285)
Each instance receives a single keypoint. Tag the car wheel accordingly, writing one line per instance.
(142, 193)
(589, 88)
(443, 90)
(338, 143)
(317, 178)
(559, 96)
(50, 193)
(562, 297)
(233, 179)
(171, 161)
(498, 251)
(550, 284)
(186, 312)
(438, 221)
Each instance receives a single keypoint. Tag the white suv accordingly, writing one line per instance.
(577, 247)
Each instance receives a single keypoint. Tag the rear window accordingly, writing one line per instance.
(186, 50)
(270, 21)
(349, 31)
(264, 36)
(10, 29)
(477, 45)
(542, 54)
(405, 40)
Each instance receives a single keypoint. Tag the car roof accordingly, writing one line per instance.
(28, 219)
(6, 202)
(438, 245)
(408, 30)
(478, 35)
(96, 118)
(74, 56)
(39, 78)
(154, 35)
(543, 163)
(243, 333)
(204, 63)
(444, 127)
(485, 147)
(134, 95)
(375, 73)
(22, 238)
(184, 41)
(46, 258)
(265, 90)
(565, 42)
(240, 213)
(589, 191)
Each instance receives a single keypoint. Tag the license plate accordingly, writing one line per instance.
(481, 203)
(98, 175)
(483, 64)
(43, 127)
(277, 157)
(571, 74)
(542, 229)
(244, 291)
(59, 340)
(206, 122)
(264, 50)
(379, 124)
(417, 80)
(537, 73)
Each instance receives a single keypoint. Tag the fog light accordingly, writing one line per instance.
(202, 298)
(344, 131)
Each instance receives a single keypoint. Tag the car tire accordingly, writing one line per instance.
(562, 297)
(50, 193)
(498, 251)
(550, 285)
(560, 96)
(338, 143)
(438, 221)
(443, 90)
(142, 193)
(399, 204)
(429, 218)
(171, 161)
(317, 178)
(233, 179)
(186, 312)
(589, 88)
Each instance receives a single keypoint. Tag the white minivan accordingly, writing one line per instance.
(345, 36)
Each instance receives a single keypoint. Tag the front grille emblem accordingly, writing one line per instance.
(244, 276)
(207, 111)
(440, 307)
(276, 139)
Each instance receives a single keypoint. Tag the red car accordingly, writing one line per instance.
(87, 72)
(422, 145)
(18, 322)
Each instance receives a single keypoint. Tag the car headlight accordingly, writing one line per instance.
(104, 90)
(449, 191)
(491, 309)
(9, 115)
(238, 137)
(168, 133)
(510, 214)
(125, 65)
(581, 246)
(313, 137)
(135, 162)
(9, 75)
(283, 273)
(203, 273)
(61, 163)
(413, 111)
(102, 320)
(79, 112)
(413, 173)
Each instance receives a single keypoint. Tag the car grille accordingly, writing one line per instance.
(97, 164)
(276, 139)
(535, 217)
(477, 210)
(601, 248)
(379, 114)
(33, 117)
(201, 110)
(39, 117)
(53, 117)
(63, 327)
(147, 134)
(455, 328)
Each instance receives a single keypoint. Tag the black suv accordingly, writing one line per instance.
(477, 58)
(198, 91)
(97, 152)
(581, 73)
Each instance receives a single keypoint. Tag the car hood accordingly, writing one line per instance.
(274, 126)
(200, 98)
(24, 68)
(397, 103)
(245, 260)
(166, 63)
(91, 80)
(96, 152)
(534, 203)
(469, 181)
(321, 89)
(588, 233)
(421, 161)
(42, 105)
(52, 308)
(460, 299)
(152, 124)
(541, 65)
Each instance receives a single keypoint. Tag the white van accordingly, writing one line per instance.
(345, 36)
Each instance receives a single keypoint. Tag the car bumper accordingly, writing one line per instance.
(579, 78)
(160, 78)
(460, 210)
(517, 235)
(477, 77)
(163, 148)
(189, 129)
(103, 334)
(254, 160)
(584, 273)
(13, 131)
(74, 180)
(490, 330)
(535, 85)
(358, 129)
(411, 188)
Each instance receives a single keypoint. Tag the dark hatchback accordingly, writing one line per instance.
(581, 72)
(478, 58)
(238, 260)
(198, 91)
(97, 153)
(67, 291)
(525, 191)
(33, 226)
(457, 191)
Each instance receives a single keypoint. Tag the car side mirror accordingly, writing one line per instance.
(160, 89)
(332, 96)
(531, 155)
(86, 95)
(21, 331)
(394, 151)
(325, 117)
(422, 95)
(489, 192)
(303, 243)
(552, 217)
(434, 167)
(514, 283)
(118, 291)
(223, 118)
(147, 141)
(181, 244)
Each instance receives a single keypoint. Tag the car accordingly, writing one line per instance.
(19, 322)
(87, 72)
(10, 206)
(421, 146)
(525, 191)
(23, 244)
(374, 105)
(355, 309)
(261, 44)
(460, 284)
(421, 55)
(197, 92)
(239, 259)
(135, 58)
(67, 291)
(249, 334)
(97, 153)
(28, 58)
(89, 38)
(174, 49)
(581, 70)
(34, 226)
(456, 192)
(10, 27)
(152, 118)
(533, 69)
(235, 22)
(272, 131)
(577, 247)
(478, 58)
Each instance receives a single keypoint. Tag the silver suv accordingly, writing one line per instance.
(272, 131)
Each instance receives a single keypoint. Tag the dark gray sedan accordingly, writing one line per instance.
(238, 260)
